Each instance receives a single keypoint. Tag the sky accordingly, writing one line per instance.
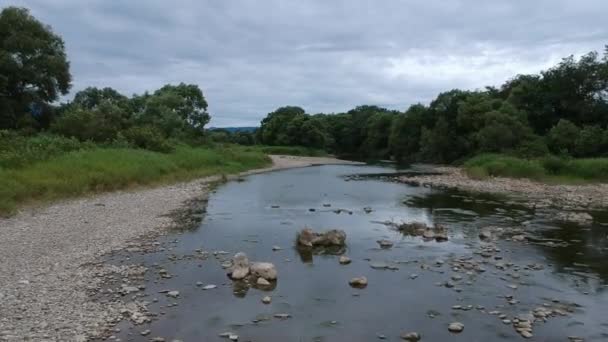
(250, 56)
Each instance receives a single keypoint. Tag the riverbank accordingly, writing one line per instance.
(51, 255)
(537, 194)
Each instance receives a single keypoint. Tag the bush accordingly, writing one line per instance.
(562, 137)
(101, 124)
(554, 165)
(149, 138)
(18, 151)
(533, 148)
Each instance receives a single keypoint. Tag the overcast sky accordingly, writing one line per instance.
(252, 56)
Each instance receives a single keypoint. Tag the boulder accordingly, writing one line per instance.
(308, 238)
(344, 260)
(456, 327)
(240, 266)
(264, 270)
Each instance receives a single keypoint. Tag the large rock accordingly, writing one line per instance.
(308, 238)
(264, 270)
(240, 266)
(358, 282)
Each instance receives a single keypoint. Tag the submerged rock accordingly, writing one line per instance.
(358, 282)
(411, 336)
(262, 282)
(344, 260)
(456, 327)
(385, 244)
(308, 238)
(437, 232)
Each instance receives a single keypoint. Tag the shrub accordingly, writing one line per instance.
(101, 124)
(17, 150)
(148, 137)
(562, 137)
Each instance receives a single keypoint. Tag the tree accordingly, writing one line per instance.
(92, 97)
(175, 110)
(34, 69)
(100, 124)
(406, 132)
(274, 127)
(562, 137)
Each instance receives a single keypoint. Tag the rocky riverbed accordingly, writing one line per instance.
(501, 269)
(575, 197)
(52, 273)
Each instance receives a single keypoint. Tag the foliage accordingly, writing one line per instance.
(17, 150)
(34, 69)
(147, 137)
(292, 151)
(549, 168)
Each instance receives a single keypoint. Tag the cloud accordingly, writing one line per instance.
(250, 57)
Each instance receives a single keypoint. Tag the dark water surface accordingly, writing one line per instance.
(314, 290)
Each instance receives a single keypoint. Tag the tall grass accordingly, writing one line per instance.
(103, 169)
(548, 169)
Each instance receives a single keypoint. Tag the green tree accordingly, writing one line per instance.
(34, 69)
(273, 129)
(100, 124)
(562, 137)
(406, 133)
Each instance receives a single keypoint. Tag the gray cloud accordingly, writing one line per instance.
(250, 57)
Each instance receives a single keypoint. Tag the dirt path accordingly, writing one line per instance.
(50, 255)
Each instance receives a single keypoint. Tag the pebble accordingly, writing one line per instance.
(173, 294)
(411, 336)
(344, 260)
(209, 287)
(276, 248)
(359, 282)
(456, 327)
(145, 332)
(266, 300)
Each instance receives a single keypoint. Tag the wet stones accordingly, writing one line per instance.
(574, 217)
(263, 270)
(308, 238)
(344, 260)
(411, 336)
(437, 232)
(358, 282)
(260, 273)
(240, 266)
(266, 300)
(456, 327)
(385, 244)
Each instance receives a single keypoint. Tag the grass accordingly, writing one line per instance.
(80, 172)
(550, 169)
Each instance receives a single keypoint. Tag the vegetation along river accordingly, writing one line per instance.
(554, 281)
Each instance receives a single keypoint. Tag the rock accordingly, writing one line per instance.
(579, 218)
(485, 234)
(266, 300)
(358, 282)
(308, 238)
(344, 260)
(276, 248)
(240, 266)
(262, 282)
(526, 334)
(145, 332)
(158, 339)
(233, 337)
(209, 287)
(264, 270)
(518, 238)
(385, 243)
(456, 327)
(368, 210)
(173, 294)
(282, 315)
(428, 234)
(411, 336)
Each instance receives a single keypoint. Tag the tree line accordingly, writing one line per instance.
(562, 111)
(35, 72)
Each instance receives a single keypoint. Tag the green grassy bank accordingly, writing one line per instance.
(549, 169)
(96, 169)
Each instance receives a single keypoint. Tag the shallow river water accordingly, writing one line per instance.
(412, 296)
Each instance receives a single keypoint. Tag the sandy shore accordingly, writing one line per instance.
(51, 255)
(577, 197)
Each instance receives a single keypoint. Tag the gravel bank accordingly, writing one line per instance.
(579, 197)
(51, 255)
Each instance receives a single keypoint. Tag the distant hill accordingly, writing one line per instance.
(235, 129)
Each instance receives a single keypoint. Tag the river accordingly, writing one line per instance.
(267, 210)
